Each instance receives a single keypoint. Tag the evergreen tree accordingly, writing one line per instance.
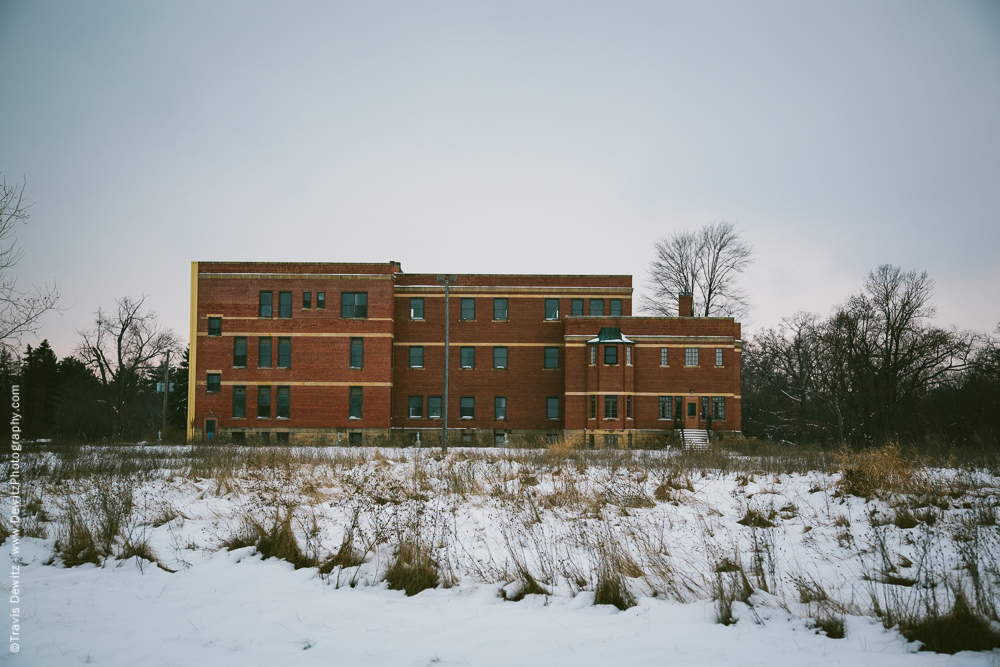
(82, 414)
(177, 408)
(40, 391)
(10, 372)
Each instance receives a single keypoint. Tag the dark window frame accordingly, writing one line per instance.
(262, 342)
(610, 355)
(433, 413)
(501, 307)
(600, 307)
(628, 406)
(415, 402)
(320, 300)
(265, 307)
(284, 305)
(610, 407)
(499, 408)
(467, 306)
(551, 359)
(506, 358)
(356, 403)
(550, 314)
(593, 406)
(467, 407)
(668, 403)
(719, 408)
(416, 350)
(239, 402)
(549, 402)
(284, 352)
(576, 308)
(689, 354)
(263, 401)
(414, 302)
(237, 357)
(611, 307)
(213, 383)
(463, 351)
(283, 411)
(306, 300)
(214, 327)
(718, 357)
(353, 310)
(356, 353)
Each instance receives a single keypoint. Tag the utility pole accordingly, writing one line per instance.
(166, 393)
(447, 280)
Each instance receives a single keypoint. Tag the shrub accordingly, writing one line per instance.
(961, 629)
(412, 570)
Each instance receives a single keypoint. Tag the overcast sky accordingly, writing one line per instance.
(535, 137)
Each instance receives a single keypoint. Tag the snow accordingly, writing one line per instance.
(234, 608)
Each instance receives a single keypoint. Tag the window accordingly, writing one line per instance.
(357, 353)
(616, 307)
(610, 355)
(213, 385)
(238, 436)
(666, 407)
(416, 309)
(266, 299)
(321, 300)
(593, 407)
(719, 407)
(356, 403)
(240, 351)
(552, 309)
(628, 407)
(468, 357)
(215, 326)
(467, 407)
(664, 356)
(500, 357)
(284, 304)
(239, 402)
(552, 407)
(628, 355)
(552, 357)
(284, 352)
(307, 300)
(282, 438)
(593, 355)
(354, 439)
(718, 356)
(263, 402)
(591, 440)
(354, 304)
(434, 407)
(417, 356)
(596, 307)
(690, 356)
(611, 441)
(264, 352)
(468, 309)
(283, 402)
(576, 307)
(704, 407)
(500, 408)
(611, 407)
(466, 437)
(416, 407)
(500, 310)
(630, 441)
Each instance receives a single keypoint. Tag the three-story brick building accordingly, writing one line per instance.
(325, 352)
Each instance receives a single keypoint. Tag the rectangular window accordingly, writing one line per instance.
(284, 304)
(628, 355)
(213, 384)
(704, 407)
(596, 307)
(500, 310)
(467, 407)
(240, 351)
(355, 439)
(611, 407)
(552, 407)
(264, 352)
(552, 357)
(321, 300)
(263, 402)
(576, 307)
(552, 309)
(593, 355)
(239, 402)
(718, 356)
(281, 438)
(719, 407)
(628, 407)
(468, 357)
(611, 355)
(354, 304)
(416, 309)
(357, 353)
(616, 307)
(500, 408)
(266, 299)
(690, 356)
(500, 357)
(468, 309)
(307, 300)
(284, 352)
(215, 326)
(283, 403)
(416, 407)
(356, 403)
(417, 356)
(611, 441)
(434, 407)
(666, 407)
(593, 407)
(664, 356)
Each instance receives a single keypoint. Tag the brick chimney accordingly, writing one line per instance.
(684, 306)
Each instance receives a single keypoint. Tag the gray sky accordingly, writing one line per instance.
(504, 138)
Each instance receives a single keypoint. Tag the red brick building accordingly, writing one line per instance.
(323, 352)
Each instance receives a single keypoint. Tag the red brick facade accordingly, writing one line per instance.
(535, 357)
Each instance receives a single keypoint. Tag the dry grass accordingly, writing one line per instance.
(412, 570)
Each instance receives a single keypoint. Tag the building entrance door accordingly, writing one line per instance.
(210, 429)
(691, 412)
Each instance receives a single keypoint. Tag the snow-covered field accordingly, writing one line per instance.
(663, 530)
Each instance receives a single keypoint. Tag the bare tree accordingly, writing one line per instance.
(121, 348)
(706, 264)
(20, 311)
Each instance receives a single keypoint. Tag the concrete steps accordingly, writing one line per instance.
(694, 438)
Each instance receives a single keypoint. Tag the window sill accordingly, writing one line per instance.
(500, 368)
(264, 418)
(467, 368)
(284, 419)
(243, 367)
(412, 417)
(498, 321)
(468, 418)
(355, 418)
(212, 392)
(417, 319)
(356, 368)
(237, 419)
